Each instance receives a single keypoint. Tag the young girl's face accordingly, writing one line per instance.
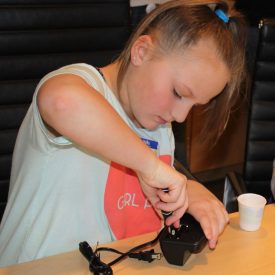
(164, 89)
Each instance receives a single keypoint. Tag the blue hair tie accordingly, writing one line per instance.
(221, 14)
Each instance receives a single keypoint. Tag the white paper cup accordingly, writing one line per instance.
(251, 207)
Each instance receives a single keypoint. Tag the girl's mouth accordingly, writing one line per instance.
(161, 120)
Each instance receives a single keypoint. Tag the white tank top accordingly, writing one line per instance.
(61, 195)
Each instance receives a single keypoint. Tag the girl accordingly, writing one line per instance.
(95, 150)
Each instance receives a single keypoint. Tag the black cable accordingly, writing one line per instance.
(136, 248)
(98, 267)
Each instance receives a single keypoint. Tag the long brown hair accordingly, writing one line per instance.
(178, 24)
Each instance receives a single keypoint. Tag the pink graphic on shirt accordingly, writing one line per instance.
(128, 211)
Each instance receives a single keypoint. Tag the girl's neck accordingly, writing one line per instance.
(110, 73)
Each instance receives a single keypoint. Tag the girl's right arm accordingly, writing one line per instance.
(72, 108)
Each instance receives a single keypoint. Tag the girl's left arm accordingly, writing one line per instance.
(208, 210)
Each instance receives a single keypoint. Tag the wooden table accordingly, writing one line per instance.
(238, 252)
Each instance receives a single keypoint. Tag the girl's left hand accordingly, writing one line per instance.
(208, 210)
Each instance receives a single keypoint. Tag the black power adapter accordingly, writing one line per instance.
(177, 245)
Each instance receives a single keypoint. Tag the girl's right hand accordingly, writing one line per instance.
(166, 177)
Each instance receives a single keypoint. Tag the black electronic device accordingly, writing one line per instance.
(177, 245)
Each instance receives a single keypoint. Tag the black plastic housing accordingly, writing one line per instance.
(177, 245)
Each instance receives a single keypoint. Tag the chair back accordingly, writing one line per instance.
(260, 145)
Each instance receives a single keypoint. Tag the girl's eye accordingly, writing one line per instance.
(176, 94)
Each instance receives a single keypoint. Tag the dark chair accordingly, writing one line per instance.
(38, 36)
(260, 142)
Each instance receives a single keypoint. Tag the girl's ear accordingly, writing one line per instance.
(141, 50)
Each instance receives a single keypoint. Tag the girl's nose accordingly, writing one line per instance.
(180, 112)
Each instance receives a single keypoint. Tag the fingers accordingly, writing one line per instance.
(175, 203)
(175, 187)
(213, 224)
(208, 210)
(174, 219)
(175, 200)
